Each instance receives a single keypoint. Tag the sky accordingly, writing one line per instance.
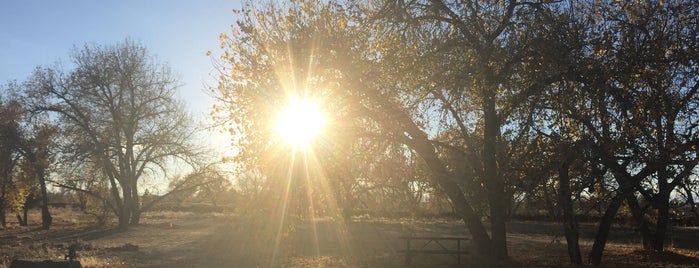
(177, 32)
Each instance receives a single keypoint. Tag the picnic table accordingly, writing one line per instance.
(432, 245)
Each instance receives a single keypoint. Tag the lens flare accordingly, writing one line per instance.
(300, 123)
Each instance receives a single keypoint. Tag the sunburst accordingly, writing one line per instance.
(300, 123)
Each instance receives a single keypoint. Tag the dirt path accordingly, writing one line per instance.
(222, 241)
(186, 241)
(168, 239)
(162, 240)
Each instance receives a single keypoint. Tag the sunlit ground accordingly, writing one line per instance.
(205, 239)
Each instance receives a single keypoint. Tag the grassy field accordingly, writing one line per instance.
(179, 239)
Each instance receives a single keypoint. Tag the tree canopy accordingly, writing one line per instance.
(483, 98)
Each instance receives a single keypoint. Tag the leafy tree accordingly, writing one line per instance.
(662, 76)
(10, 137)
(28, 146)
(478, 65)
(486, 95)
(38, 157)
(428, 67)
(632, 88)
(23, 196)
(300, 50)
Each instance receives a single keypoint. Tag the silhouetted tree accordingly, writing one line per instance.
(118, 111)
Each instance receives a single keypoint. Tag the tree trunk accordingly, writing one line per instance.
(641, 222)
(82, 199)
(22, 218)
(494, 183)
(461, 206)
(22, 222)
(425, 149)
(663, 206)
(135, 216)
(570, 224)
(135, 204)
(25, 212)
(3, 219)
(122, 211)
(603, 231)
(46, 219)
(125, 212)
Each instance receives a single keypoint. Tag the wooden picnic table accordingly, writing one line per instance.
(426, 245)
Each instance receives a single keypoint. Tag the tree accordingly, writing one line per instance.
(28, 146)
(429, 67)
(633, 82)
(663, 76)
(38, 156)
(482, 63)
(468, 86)
(117, 111)
(10, 138)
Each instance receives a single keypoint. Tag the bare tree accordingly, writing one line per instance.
(118, 111)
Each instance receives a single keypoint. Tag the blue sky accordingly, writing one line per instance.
(179, 32)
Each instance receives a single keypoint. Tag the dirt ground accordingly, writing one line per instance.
(177, 239)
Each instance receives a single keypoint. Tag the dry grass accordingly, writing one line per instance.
(183, 239)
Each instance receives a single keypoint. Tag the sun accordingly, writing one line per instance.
(300, 123)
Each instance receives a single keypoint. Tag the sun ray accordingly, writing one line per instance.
(284, 207)
(311, 203)
(299, 127)
(339, 227)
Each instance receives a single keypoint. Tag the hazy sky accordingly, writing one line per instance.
(179, 32)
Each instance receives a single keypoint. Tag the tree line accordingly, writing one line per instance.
(488, 103)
